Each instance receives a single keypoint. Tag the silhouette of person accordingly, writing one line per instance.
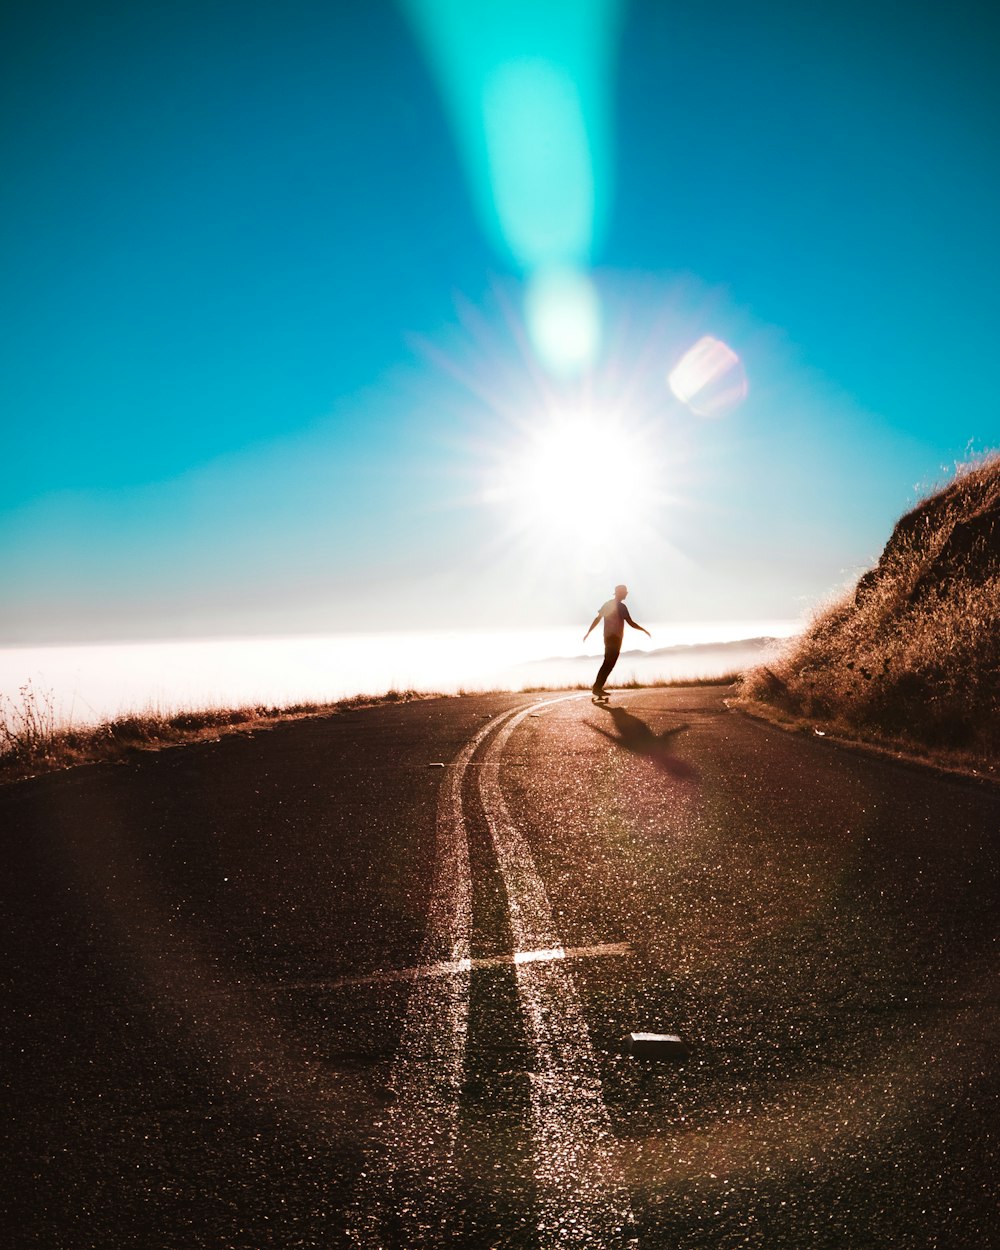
(614, 614)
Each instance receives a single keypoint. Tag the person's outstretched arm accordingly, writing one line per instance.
(642, 628)
(592, 624)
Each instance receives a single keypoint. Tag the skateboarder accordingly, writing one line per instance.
(615, 614)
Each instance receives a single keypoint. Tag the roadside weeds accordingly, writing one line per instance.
(32, 741)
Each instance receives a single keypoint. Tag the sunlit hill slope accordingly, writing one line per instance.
(912, 654)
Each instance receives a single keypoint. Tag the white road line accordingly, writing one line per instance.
(409, 1172)
(409, 1169)
(449, 967)
(582, 1198)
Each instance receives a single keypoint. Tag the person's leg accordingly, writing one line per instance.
(612, 646)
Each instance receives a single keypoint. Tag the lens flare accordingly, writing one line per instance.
(529, 89)
(709, 378)
(563, 316)
(539, 162)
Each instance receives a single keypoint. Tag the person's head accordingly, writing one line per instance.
(621, 592)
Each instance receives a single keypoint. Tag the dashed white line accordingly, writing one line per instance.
(449, 967)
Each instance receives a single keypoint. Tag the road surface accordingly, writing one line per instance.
(364, 981)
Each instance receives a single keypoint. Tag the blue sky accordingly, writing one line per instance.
(263, 352)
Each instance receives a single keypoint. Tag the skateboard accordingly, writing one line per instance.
(601, 699)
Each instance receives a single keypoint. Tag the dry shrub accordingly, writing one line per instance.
(28, 725)
(913, 654)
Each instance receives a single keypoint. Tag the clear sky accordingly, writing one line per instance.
(322, 316)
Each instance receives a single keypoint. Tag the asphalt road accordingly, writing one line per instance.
(364, 981)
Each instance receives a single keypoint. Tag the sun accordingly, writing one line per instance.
(573, 469)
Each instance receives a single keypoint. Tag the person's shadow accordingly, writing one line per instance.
(636, 736)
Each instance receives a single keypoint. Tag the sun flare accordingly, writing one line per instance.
(560, 480)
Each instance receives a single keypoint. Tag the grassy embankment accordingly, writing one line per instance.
(910, 658)
(32, 740)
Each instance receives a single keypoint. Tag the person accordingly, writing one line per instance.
(614, 614)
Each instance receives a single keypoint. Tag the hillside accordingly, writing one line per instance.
(912, 654)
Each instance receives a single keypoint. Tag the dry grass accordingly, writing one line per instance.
(32, 740)
(912, 656)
